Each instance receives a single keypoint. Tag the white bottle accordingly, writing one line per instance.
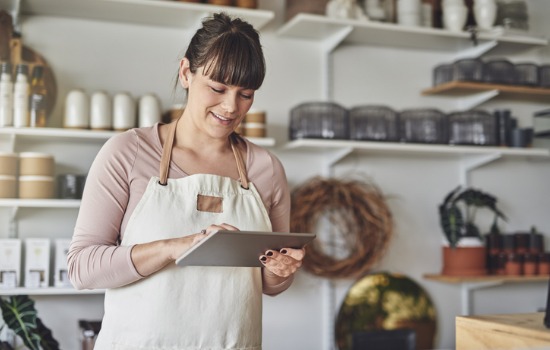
(21, 91)
(149, 111)
(6, 96)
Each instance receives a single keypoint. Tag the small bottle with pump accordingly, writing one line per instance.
(6, 95)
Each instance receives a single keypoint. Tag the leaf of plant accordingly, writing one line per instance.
(47, 341)
(5, 346)
(20, 315)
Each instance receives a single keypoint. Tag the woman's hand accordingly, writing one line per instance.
(283, 263)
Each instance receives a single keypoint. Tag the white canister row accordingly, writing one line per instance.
(100, 112)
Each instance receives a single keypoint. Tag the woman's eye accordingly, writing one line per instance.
(247, 96)
(218, 91)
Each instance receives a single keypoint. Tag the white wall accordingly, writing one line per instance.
(140, 59)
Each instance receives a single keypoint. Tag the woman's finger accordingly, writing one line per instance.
(297, 254)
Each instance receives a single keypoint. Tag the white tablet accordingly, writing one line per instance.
(240, 248)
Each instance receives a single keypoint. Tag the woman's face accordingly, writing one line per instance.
(216, 108)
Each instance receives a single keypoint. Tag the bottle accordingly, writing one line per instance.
(38, 98)
(21, 92)
(6, 95)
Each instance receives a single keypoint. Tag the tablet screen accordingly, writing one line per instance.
(240, 248)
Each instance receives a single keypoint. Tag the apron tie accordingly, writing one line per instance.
(167, 155)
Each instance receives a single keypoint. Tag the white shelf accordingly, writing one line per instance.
(80, 134)
(162, 13)
(320, 28)
(369, 147)
(58, 133)
(40, 203)
(49, 291)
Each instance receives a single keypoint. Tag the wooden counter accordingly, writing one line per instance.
(513, 331)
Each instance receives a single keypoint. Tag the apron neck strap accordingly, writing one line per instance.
(167, 155)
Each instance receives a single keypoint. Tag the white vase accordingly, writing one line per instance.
(101, 112)
(485, 13)
(455, 17)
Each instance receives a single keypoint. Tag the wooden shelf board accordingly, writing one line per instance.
(163, 13)
(464, 88)
(318, 145)
(488, 278)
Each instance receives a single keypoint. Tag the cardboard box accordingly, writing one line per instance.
(61, 277)
(37, 262)
(10, 263)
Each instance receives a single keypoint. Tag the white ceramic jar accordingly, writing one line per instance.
(149, 110)
(124, 112)
(101, 111)
(485, 12)
(77, 110)
(454, 16)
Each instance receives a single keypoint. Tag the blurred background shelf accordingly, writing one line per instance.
(49, 291)
(461, 88)
(162, 13)
(320, 28)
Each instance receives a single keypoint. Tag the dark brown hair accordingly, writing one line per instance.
(229, 50)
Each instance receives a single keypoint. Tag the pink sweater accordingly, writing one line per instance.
(116, 182)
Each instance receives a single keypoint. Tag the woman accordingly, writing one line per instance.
(152, 193)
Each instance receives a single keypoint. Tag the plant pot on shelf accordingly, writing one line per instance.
(464, 261)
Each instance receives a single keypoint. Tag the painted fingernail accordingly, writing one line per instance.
(263, 258)
(269, 253)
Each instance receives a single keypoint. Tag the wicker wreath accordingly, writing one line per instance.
(356, 210)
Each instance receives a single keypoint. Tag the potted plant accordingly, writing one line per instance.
(21, 317)
(465, 254)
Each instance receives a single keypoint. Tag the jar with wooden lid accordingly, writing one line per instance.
(36, 187)
(35, 163)
(249, 4)
(8, 188)
(8, 163)
(254, 124)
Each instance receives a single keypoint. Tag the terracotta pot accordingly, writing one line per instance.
(464, 261)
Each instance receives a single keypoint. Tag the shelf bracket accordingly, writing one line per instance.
(476, 51)
(472, 162)
(327, 48)
(334, 157)
(472, 101)
(466, 290)
(13, 228)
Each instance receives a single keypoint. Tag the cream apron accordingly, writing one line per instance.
(189, 308)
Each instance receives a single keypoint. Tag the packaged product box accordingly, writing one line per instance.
(37, 262)
(10, 263)
(61, 277)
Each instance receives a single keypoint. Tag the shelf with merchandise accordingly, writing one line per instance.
(320, 28)
(161, 13)
(49, 291)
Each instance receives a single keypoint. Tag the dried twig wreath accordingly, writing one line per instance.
(357, 209)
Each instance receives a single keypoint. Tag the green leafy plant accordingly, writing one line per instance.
(21, 317)
(457, 213)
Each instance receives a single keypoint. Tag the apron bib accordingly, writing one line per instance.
(189, 308)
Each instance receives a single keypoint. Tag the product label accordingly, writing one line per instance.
(38, 102)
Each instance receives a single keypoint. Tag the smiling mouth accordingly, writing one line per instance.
(221, 119)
